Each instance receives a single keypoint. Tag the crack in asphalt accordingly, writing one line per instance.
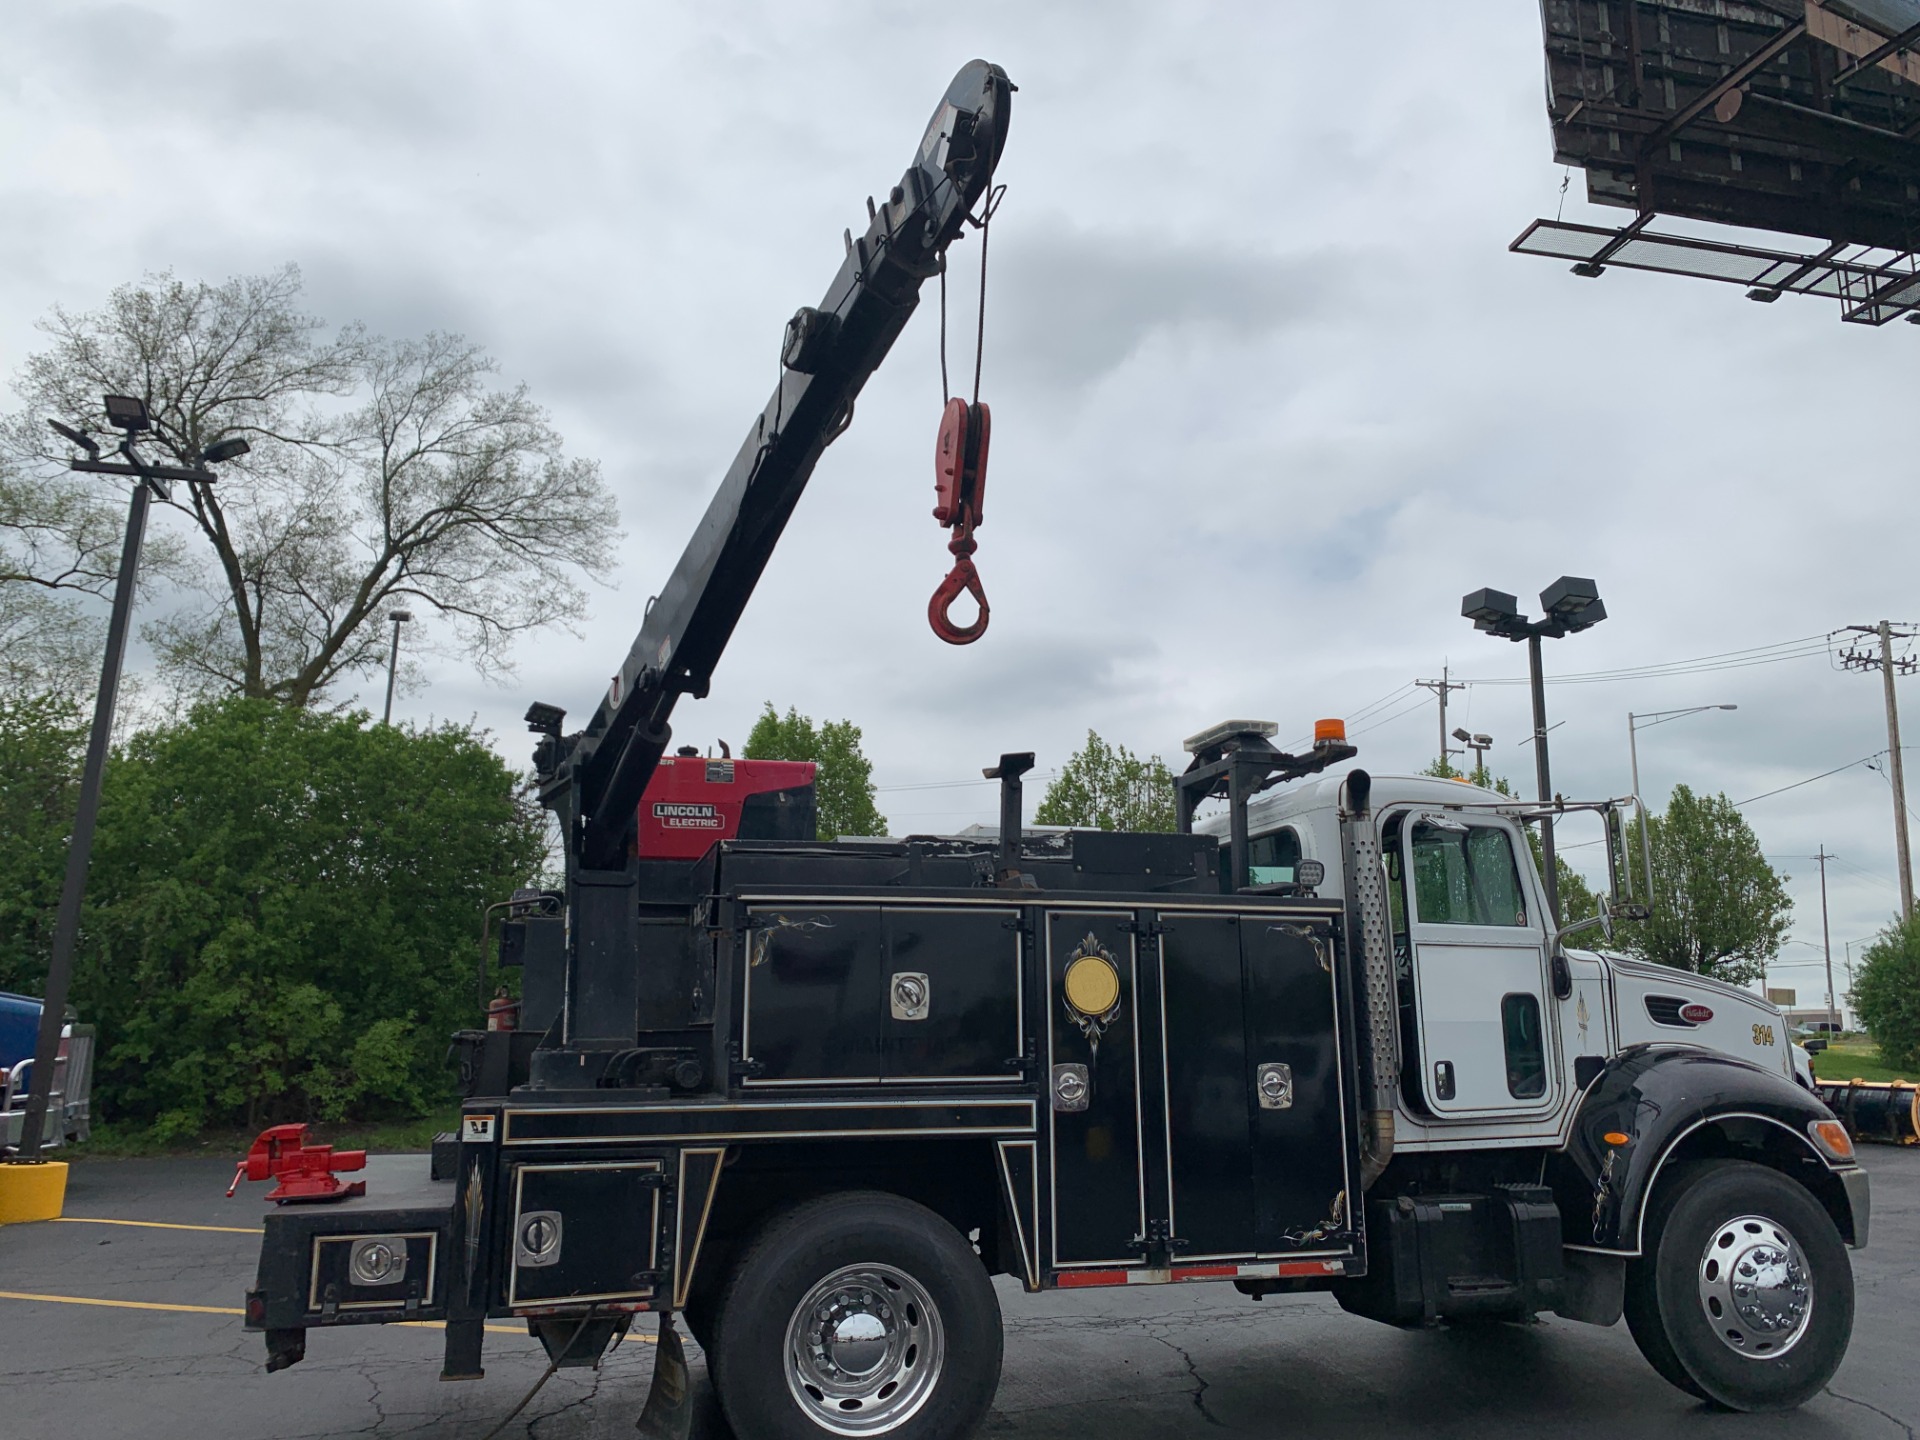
(1866, 1405)
(1200, 1382)
(586, 1397)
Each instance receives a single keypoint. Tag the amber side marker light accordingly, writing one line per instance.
(1616, 1139)
(1831, 1136)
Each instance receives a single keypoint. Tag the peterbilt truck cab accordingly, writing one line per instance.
(1698, 1185)
(1501, 1053)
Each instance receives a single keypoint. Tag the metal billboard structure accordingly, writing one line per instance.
(1797, 117)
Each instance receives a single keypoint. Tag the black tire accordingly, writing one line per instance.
(1642, 1302)
(1666, 1312)
(699, 1316)
(839, 1234)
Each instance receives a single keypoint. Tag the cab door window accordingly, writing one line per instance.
(1465, 875)
(1273, 858)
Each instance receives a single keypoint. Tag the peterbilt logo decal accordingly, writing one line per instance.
(1695, 1014)
(684, 816)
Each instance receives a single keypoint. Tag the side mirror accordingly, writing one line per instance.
(1606, 915)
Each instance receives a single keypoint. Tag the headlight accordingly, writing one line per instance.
(381, 1260)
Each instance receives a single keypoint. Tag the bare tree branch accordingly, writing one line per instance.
(381, 472)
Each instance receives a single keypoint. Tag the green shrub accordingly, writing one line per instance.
(1886, 992)
(283, 917)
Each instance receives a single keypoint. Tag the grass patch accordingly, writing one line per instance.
(1856, 1058)
(119, 1141)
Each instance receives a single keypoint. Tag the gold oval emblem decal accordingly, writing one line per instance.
(1092, 985)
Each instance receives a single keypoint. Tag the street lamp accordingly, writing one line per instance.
(127, 414)
(1635, 724)
(1572, 605)
(399, 618)
(1479, 745)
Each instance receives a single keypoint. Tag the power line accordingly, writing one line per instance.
(1802, 648)
(1738, 804)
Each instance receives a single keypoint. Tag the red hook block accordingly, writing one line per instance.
(959, 489)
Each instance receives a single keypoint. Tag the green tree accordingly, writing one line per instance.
(1719, 908)
(42, 738)
(1108, 787)
(284, 913)
(382, 473)
(843, 787)
(1886, 991)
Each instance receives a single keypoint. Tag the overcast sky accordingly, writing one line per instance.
(1269, 393)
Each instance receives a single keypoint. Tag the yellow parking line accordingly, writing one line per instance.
(225, 1310)
(156, 1225)
(120, 1304)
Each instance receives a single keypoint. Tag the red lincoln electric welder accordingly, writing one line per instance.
(692, 802)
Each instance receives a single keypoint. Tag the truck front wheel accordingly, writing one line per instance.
(1744, 1295)
(853, 1315)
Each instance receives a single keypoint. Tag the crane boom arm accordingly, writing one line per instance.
(596, 777)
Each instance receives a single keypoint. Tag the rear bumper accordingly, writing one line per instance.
(307, 1276)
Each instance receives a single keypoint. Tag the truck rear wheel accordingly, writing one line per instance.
(854, 1315)
(1744, 1296)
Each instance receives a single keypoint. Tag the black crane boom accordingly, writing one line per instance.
(596, 777)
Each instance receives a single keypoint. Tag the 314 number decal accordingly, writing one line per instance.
(1763, 1034)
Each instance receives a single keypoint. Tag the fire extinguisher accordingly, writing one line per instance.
(504, 1012)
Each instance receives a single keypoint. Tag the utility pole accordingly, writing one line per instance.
(1440, 687)
(1826, 940)
(1888, 665)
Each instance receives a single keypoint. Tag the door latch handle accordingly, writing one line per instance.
(1273, 1082)
(1443, 1079)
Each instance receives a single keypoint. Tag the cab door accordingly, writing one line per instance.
(1477, 946)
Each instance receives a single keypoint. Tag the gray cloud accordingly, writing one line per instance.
(1269, 392)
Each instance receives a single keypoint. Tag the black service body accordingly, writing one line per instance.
(781, 1064)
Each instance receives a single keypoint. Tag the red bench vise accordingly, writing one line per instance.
(305, 1172)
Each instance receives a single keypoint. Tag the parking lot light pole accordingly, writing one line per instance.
(1479, 744)
(399, 618)
(1572, 605)
(129, 415)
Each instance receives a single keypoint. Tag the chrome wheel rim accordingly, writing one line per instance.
(1755, 1287)
(865, 1348)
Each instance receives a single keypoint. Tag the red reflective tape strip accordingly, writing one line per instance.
(1070, 1279)
(1308, 1267)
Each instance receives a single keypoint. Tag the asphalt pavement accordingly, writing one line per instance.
(134, 1330)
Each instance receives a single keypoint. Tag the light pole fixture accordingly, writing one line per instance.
(1572, 605)
(129, 415)
(399, 618)
(1479, 745)
(1646, 721)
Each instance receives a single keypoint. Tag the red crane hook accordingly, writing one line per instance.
(959, 483)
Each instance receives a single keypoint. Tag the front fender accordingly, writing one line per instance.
(1673, 1101)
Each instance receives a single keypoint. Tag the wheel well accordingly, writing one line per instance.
(956, 1179)
(1760, 1142)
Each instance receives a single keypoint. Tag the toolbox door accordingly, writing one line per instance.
(1092, 999)
(1254, 1105)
